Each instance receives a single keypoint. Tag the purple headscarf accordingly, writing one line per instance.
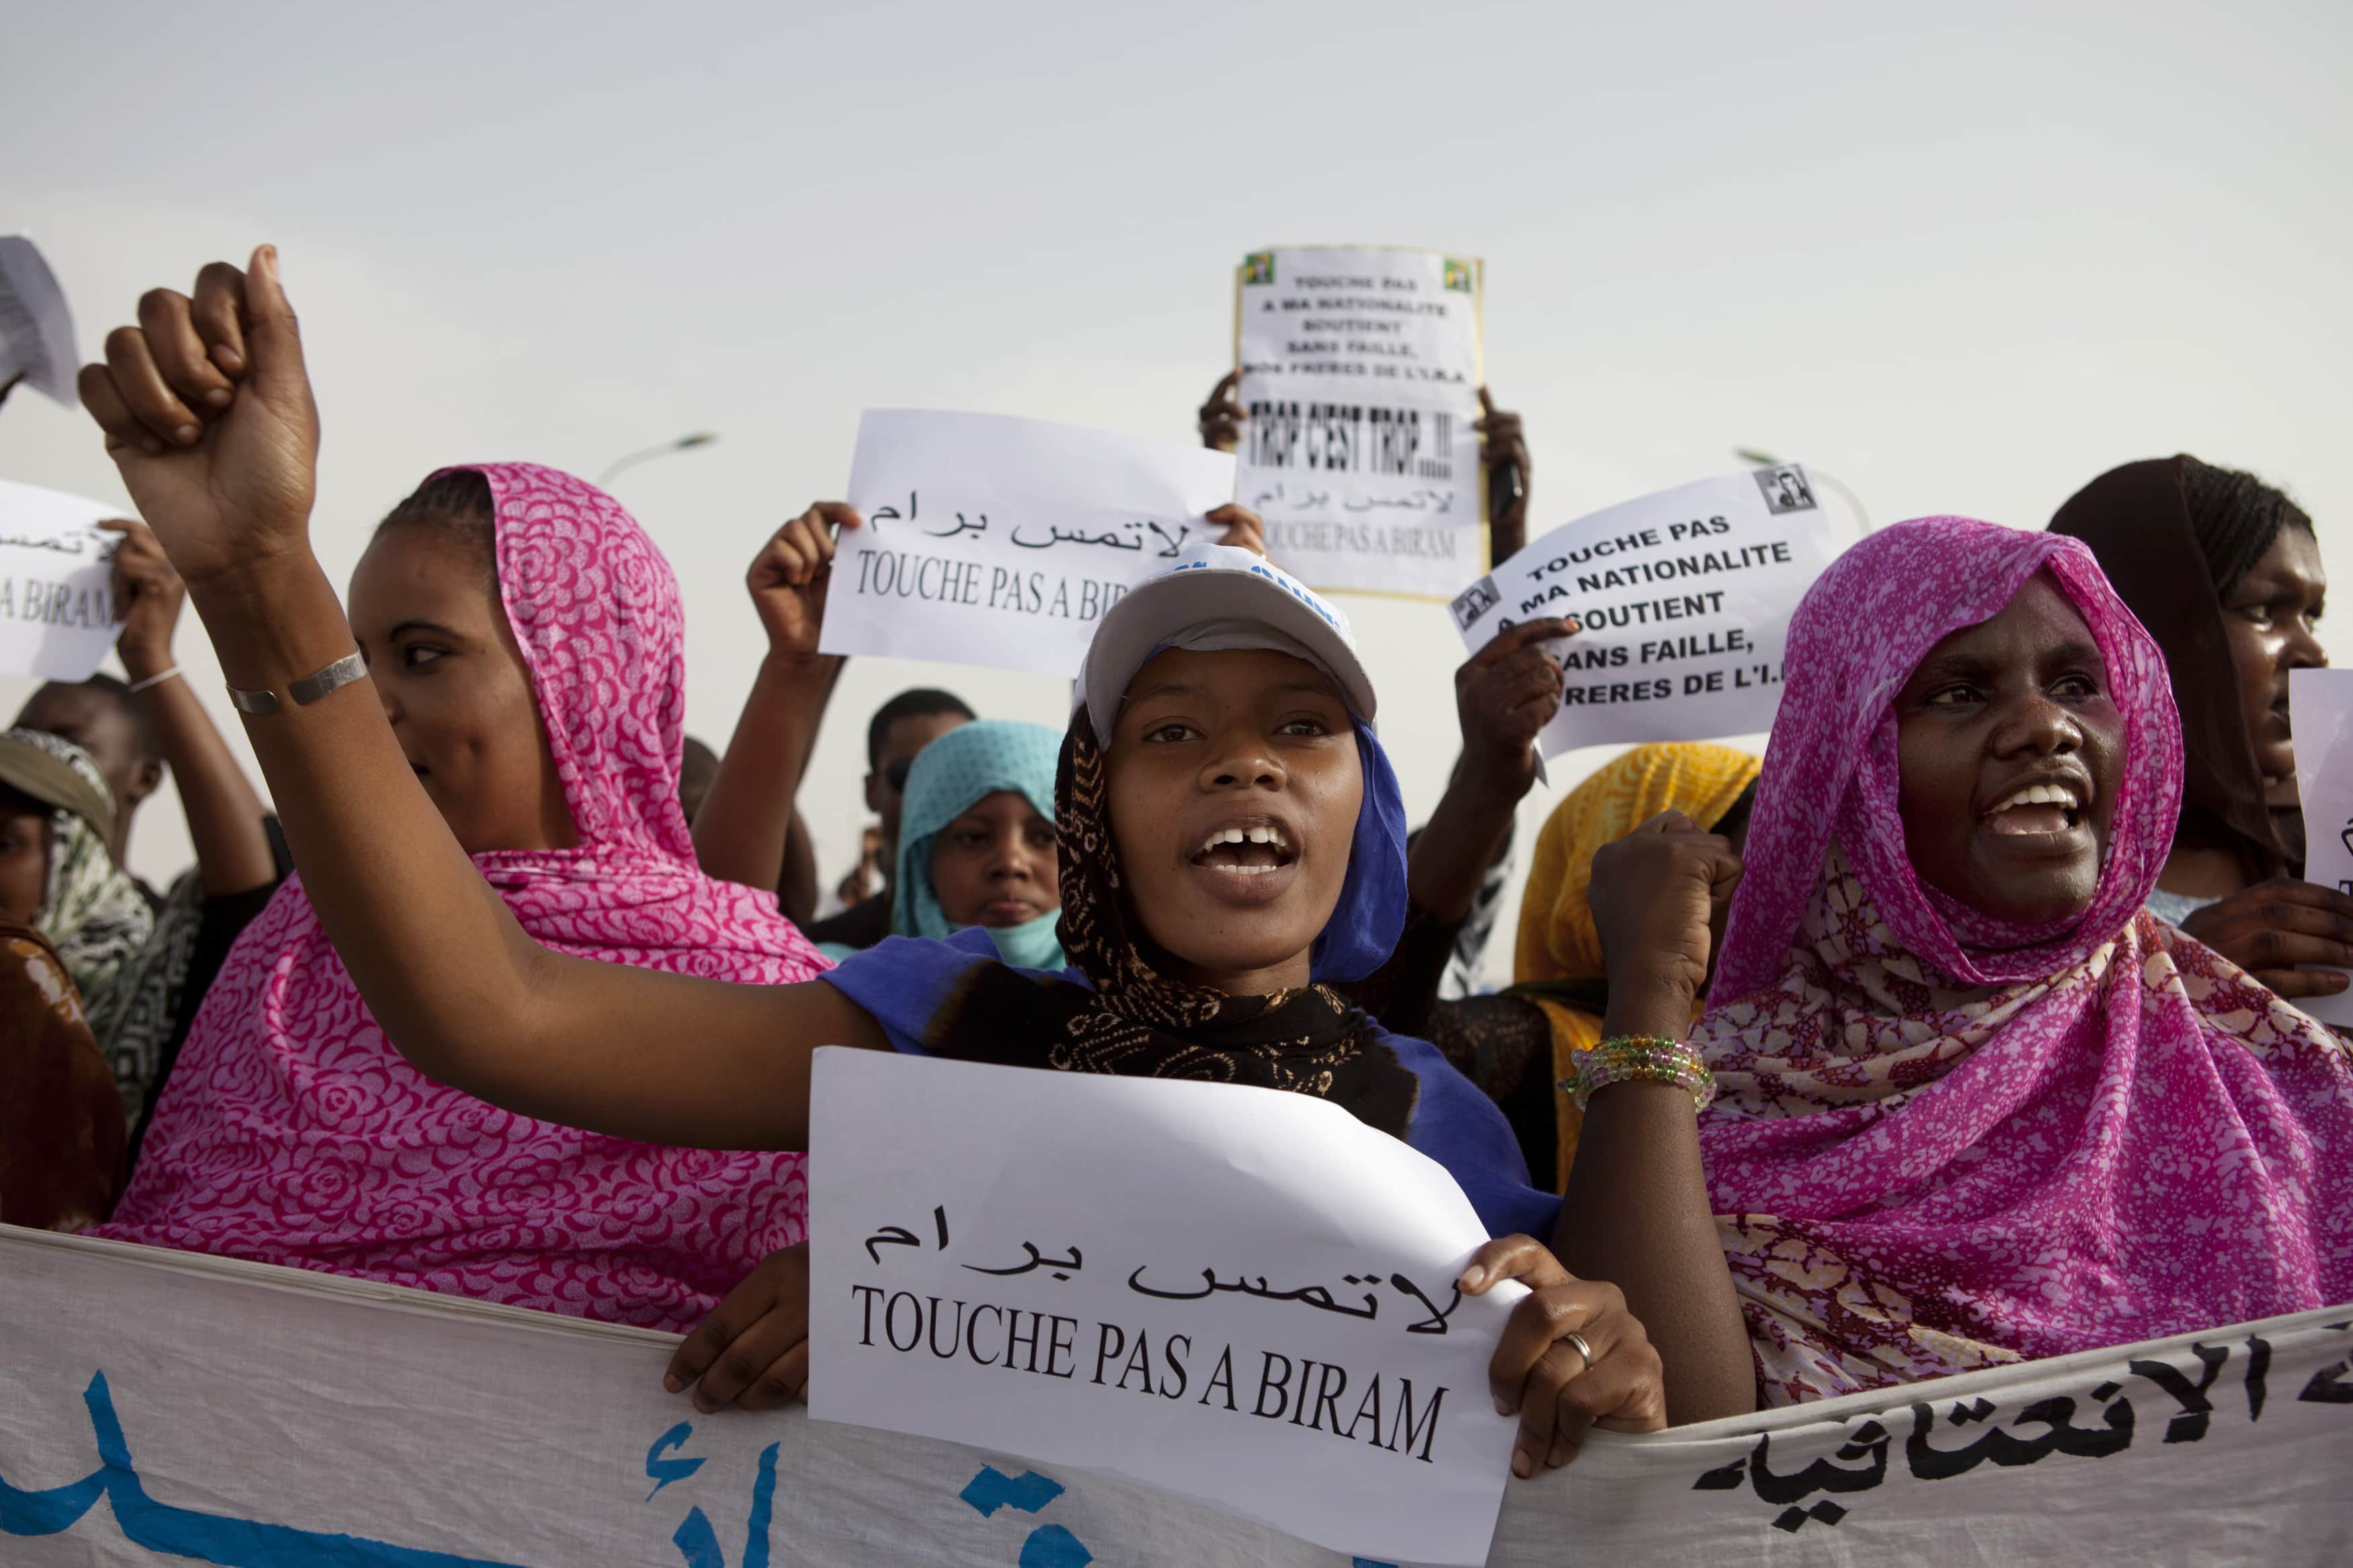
(1944, 1142)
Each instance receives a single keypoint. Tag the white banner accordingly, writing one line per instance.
(57, 609)
(169, 1407)
(1682, 600)
(1250, 1300)
(1360, 381)
(2320, 704)
(999, 542)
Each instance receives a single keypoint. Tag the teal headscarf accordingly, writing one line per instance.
(950, 776)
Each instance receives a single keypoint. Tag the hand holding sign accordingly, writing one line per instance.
(148, 594)
(207, 413)
(1505, 695)
(2274, 928)
(789, 576)
(1558, 1386)
(752, 1351)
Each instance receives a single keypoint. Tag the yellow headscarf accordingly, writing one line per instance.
(1557, 940)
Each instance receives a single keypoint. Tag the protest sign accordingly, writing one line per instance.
(161, 1405)
(57, 610)
(36, 335)
(1001, 541)
(1250, 1300)
(1683, 601)
(2320, 705)
(1360, 374)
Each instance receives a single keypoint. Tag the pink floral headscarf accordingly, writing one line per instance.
(1944, 1143)
(291, 1132)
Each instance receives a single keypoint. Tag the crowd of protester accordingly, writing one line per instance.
(1981, 979)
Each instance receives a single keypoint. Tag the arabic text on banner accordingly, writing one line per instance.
(1360, 380)
(2320, 701)
(172, 1406)
(1248, 1300)
(1001, 541)
(1683, 601)
(57, 609)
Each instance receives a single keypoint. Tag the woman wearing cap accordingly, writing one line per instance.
(68, 916)
(1230, 833)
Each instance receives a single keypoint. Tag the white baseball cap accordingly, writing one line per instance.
(1218, 597)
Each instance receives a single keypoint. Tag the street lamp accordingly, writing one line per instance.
(699, 439)
(1768, 460)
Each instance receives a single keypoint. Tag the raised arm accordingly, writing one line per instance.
(1503, 695)
(741, 833)
(1637, 1212)
(208, 413)
(225, 816)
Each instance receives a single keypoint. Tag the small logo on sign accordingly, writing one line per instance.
(1474, 602)
(1458, 276)
(1259, 268)
(1785, 489)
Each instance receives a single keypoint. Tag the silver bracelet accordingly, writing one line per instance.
(305, 691)
(155, 679)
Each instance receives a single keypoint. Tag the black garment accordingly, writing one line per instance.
(223, 922)
(861, 925)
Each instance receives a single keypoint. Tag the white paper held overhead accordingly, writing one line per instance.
(57, 610)
(1248, 1300)
(1683, 601)
(36, 335)
(999, 542)
(1360, 372)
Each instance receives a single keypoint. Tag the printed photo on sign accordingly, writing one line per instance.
(1189, 1316)
(999, 542)
(1360, 372)
(57, 604)
(1682, 600)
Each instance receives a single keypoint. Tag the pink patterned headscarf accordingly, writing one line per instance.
(291, 1132)
(1942, 1141)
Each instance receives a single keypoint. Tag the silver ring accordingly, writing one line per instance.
(1577, 1342)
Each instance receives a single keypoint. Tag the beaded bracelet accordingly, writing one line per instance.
(1625, 1058)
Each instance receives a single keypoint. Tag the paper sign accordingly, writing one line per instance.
(36, 335)
(999, 542)
(1360, 381)
(1247, 1299)
(57, 611)
(1682, 600)
(2320, 707)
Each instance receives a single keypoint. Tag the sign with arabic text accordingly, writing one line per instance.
(1001, 541)
(172, 1407)
(1246, 1290)
(1360, 374)
(1682, 602)
(57, 609)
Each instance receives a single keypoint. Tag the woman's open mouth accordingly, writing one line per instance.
(2038, 809)
(1251, 851)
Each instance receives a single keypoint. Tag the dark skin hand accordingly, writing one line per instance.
(1503, 453)
(2267, 929)
(1504, 696)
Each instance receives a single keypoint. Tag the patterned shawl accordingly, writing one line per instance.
(90, 909)
(1138, 1021)
(1943, 1142)
(291, 1132)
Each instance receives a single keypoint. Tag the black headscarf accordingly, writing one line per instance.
(2172, 576)
(1137, 1021)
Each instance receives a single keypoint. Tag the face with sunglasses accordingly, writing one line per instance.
(886, 786)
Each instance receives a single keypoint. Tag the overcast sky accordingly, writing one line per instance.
(1963, 257)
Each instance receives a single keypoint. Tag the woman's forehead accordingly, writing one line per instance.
(1228, 675)
(2041, 616)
